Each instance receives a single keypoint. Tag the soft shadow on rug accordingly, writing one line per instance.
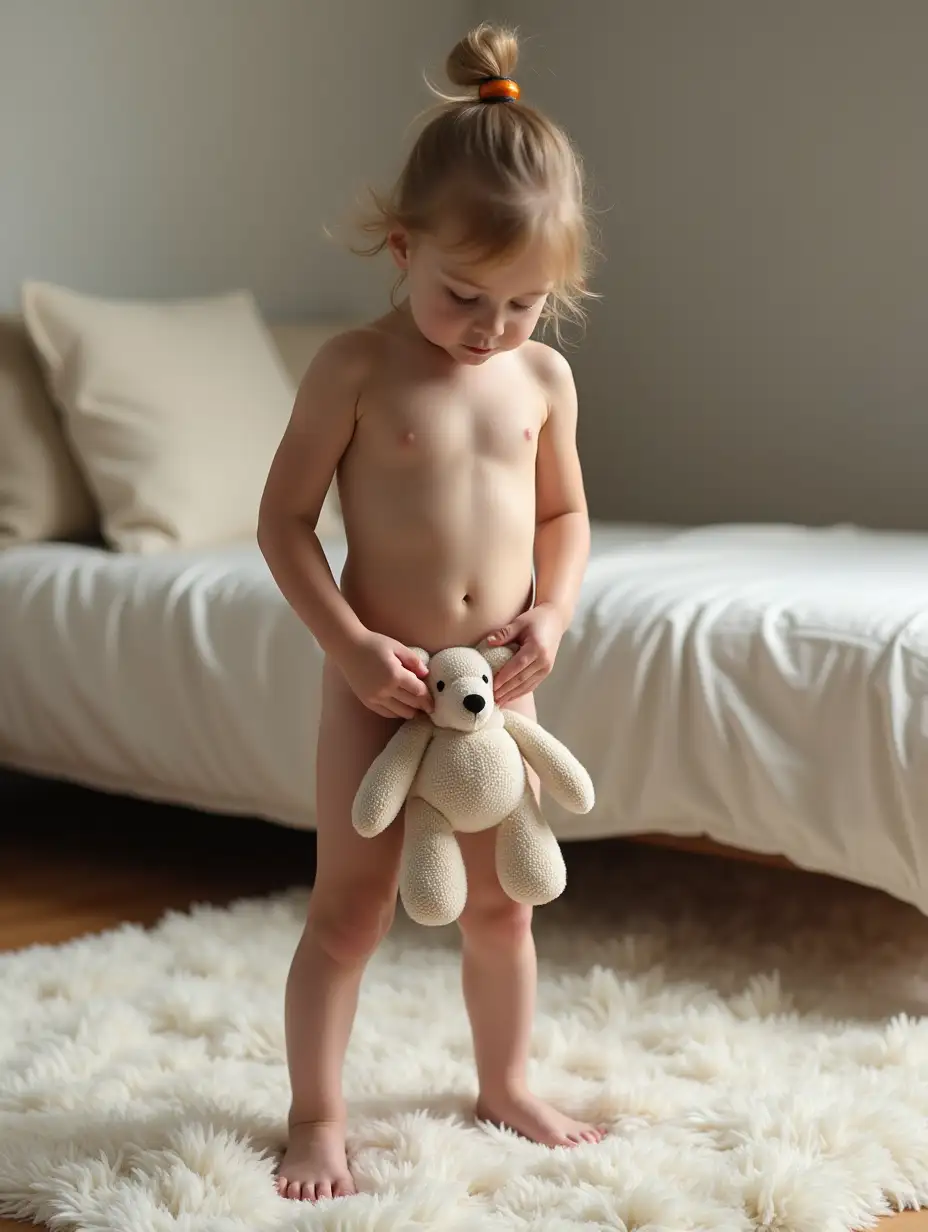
(753, 1037)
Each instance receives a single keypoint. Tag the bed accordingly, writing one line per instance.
(763, 686)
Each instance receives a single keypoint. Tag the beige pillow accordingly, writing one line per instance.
(42, 493)
(173, 409)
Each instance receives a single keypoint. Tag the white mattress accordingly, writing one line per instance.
(765, 686)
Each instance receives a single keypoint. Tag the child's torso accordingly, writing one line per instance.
(438, 494)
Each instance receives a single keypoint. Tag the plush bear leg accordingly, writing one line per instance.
(529, 862)
(433, 883)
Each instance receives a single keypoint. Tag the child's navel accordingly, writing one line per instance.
(409, 438)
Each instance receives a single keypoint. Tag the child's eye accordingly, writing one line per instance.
(461, 299)
(522, 307)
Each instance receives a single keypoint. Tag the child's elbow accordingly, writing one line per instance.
(270, 530)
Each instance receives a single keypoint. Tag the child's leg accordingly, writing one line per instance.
(351, 908)
(500, 978)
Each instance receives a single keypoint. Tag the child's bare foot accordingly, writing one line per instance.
(315, 1165)
(534, 1119)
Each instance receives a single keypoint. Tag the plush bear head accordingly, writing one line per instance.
(460, 680)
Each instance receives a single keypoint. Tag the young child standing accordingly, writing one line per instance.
(453, 436)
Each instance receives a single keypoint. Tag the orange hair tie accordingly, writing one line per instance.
(499, 90)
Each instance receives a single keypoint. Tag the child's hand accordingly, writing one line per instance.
(387, 677)
(538, 632)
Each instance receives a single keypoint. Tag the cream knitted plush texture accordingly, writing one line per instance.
(463, 768)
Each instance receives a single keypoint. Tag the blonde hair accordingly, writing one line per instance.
(501, 172)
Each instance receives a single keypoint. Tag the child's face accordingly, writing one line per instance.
(473, 311)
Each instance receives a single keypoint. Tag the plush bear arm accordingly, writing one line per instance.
(559, 771)
(385, 786)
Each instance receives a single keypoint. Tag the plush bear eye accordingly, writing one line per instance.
(440, 686)
(486, 680)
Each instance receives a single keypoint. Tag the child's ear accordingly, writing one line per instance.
(398, 246)
(496, 656)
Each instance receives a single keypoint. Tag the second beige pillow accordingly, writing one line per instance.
(43, 495)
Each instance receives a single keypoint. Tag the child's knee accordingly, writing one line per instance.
(495, 922)
(350, 926)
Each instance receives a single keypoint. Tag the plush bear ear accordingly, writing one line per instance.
(419, 653)
(496, 656)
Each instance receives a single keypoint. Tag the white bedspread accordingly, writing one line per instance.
(765, 686)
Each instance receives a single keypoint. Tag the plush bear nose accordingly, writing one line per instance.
(474, 703)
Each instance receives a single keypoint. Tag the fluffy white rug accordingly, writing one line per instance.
(753, 1037)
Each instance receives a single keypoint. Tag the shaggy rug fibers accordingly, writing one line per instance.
(753, 1038)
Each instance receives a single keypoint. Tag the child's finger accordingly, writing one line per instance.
(520, 662)
(411, 662)
(518, 688)
(417, 689)
(407, 679)
(509, 633)
(417, 700)
(513, 696)
(518, 665)
(523, 690)
(401, 709)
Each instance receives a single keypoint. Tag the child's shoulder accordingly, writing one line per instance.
(345, 359)
(360, 345)
(356, 343)
(547, 365)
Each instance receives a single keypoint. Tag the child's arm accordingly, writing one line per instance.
(321, 425)
(562, 537)
(383, 673)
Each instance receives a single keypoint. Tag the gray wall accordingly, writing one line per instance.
(762, 348)
(161, 147)
(760, 351)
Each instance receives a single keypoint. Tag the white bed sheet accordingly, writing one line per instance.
(765, 686)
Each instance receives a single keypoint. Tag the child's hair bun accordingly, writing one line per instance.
(487, 51)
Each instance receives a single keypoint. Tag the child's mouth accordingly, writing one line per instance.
(474, 350)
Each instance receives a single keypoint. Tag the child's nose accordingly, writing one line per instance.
(493, 324)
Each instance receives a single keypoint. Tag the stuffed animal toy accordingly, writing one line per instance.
(463, 768)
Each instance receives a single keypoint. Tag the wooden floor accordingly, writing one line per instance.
(73, 862)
